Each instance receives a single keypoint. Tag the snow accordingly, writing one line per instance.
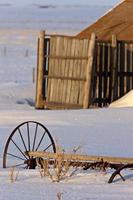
(125, 101)
(105, 131)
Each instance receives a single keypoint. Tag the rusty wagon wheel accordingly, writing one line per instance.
(28, 136)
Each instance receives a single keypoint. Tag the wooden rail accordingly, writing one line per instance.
(85, 161)
(80, 158)
(65, 78)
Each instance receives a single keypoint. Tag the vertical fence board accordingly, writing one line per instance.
(89, 71)
(73, 65)
(83, 70)
(40, 72)
(108, 72)
(118, 69)
(122, 58)
(131, 66)
(128, 69)
(66, 68)
(114, 68)
(70, 72)
(98, 71)
(125, 69)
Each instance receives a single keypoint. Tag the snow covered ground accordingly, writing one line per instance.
(98, 131)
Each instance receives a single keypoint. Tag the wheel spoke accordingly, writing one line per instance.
(28, 135)
(35, 137)
(22, 139)
(10, 154)
(21, 164)
(19, 148)
(48, 147)
(41, 140)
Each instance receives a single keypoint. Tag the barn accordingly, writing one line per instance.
(118, 21)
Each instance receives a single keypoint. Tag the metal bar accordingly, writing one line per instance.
(28, 135)
(35, 137)
(10, 154)
(40, 140)
(22, 139)
(48, 147)
(19, 149)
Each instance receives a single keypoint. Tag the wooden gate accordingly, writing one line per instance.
(64, 68)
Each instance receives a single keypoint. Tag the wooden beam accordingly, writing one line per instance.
(113, 69)
(64, 78)
(40, 69)
(66, 57)
(60, 105)
(79, 158)
(87, 89)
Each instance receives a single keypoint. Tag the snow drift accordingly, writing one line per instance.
(125, 101)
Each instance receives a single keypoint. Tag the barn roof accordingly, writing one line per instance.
(118, 21)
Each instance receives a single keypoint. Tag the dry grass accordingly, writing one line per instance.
(59, 195)
(57, 169)
(13, 175)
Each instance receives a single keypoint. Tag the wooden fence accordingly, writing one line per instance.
(112, 71)
(73, 73)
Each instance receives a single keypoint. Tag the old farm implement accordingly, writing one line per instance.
(31, 141)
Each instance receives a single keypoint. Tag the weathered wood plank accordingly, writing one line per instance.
(65, 78)
(83, 70)
(122, 62)
(87, 89)
(40, 73)
(78, 72)
(118, 69)
(114, 68)
(67, 50)
(98, 70)
(59, 105)
(70, 72)
(50, 70)
(108, 70)
(73, 95)
(125, 68)
(105, 68)
(78, 157)
(128, 86)
(64, 57)
(63, 71)
(131, 65)
(58, 69)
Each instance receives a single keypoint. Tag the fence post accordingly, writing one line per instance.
(39, 104)
(33, 75)
(114, 69)
(87, 89)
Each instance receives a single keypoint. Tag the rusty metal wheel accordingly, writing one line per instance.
(28, 136)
